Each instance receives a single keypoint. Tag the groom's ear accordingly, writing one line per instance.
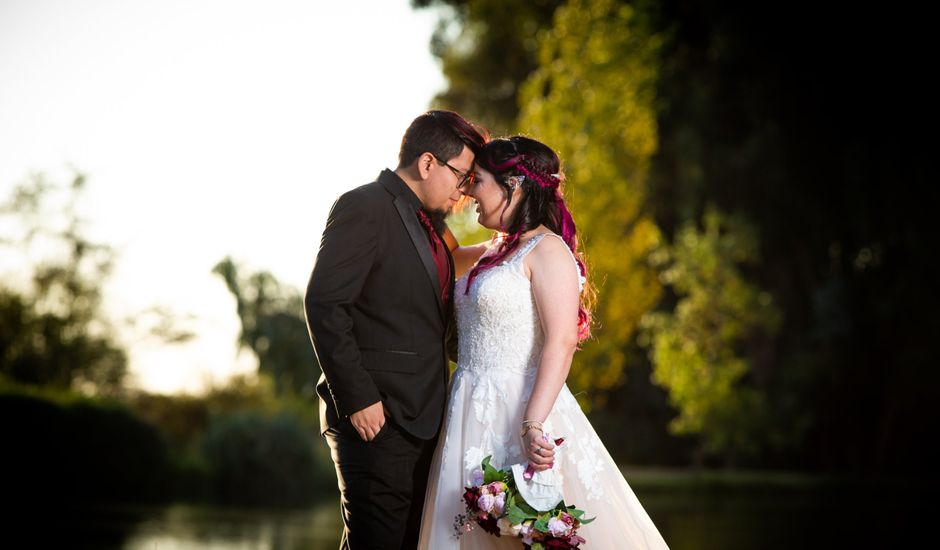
(424, 162)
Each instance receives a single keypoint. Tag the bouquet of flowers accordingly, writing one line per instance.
(495, 503)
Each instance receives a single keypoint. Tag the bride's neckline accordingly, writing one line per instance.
(532, 233)
(523, 243)
(537, 231)
(519, 247)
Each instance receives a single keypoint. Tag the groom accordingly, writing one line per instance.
(379, 310)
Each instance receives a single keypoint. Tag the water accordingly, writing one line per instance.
(183, 527)
(691, 516)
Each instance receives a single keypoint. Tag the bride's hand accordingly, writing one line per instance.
(539, 451)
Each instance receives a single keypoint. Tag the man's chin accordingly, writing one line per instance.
(437, 218)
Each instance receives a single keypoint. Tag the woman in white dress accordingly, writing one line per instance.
(522, 309)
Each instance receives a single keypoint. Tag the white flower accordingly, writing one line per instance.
(557, 527)
(526, 531)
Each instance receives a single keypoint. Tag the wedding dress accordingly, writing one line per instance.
(500, 342)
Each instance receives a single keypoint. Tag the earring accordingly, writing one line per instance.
(515, 181)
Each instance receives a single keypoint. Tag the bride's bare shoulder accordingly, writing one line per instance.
(549, 247)
(549, 253)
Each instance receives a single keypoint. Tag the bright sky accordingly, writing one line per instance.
(207, 128)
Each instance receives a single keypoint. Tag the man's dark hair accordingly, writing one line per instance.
(441, 133)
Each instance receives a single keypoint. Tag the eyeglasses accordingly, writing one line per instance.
(463, 178)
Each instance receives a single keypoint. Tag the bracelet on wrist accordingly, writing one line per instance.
(531, 425)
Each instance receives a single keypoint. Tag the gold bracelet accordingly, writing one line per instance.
(530, 424)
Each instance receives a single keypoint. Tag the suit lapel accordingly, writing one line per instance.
(419, 237)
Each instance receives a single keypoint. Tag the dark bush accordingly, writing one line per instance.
(81, 452)
(259, 460)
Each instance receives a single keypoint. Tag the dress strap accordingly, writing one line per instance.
(527, 247)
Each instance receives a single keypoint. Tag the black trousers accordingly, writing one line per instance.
(382, 484)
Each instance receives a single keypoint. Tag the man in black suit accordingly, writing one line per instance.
(380, 313)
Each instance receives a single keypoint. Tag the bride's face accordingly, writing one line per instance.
(491, 200)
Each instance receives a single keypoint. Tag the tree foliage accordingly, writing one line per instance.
(273, 328)
(52, 327)
(700, 349)
(814, 128)
(487, 48)
(592, 99)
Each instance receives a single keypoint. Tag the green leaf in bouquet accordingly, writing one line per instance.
(516, 514)
(541, 524)
(579, 515)
(524, 506)
(537, 546)
(490, 474)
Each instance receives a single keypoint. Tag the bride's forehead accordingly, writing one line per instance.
(483, 172)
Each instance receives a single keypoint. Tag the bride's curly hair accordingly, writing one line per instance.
(522, 161)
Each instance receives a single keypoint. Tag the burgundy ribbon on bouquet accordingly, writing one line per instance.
(530, 471)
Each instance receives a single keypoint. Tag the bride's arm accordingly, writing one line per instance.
(464, 256)
(555, 287)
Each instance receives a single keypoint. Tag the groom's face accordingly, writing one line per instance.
(440, 191)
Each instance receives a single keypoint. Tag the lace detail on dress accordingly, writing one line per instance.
(497, 320)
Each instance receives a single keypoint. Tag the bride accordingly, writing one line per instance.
(522, 309)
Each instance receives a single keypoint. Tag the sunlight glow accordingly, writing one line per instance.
(206, 129)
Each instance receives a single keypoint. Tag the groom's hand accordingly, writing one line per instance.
(369, 420)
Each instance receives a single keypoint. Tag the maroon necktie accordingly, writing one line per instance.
(440, 257)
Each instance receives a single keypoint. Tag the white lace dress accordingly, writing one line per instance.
(500, 346)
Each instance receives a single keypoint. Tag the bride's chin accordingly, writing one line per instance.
(480, 221)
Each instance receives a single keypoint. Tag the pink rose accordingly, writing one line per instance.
(499, 504)
(486, 502)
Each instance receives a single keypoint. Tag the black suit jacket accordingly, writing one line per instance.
(374, 311)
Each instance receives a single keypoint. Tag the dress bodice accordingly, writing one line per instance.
(498, 320)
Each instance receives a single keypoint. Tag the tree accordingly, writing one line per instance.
(816, 131)
(700, 350)
(273, 328)
(52, 328)
(812, 128)
(487, 49)
(592, 99)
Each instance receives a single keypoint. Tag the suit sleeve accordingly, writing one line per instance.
(347, 251)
